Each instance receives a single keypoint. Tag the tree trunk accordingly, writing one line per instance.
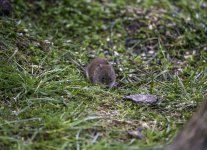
(194, 134)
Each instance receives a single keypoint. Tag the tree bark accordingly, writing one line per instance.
(194, 134)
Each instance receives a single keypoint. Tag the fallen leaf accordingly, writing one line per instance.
(142, 98)
(137, 133)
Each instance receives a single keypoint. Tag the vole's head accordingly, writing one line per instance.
(106, 75)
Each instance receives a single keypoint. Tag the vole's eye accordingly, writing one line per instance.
(103, 80)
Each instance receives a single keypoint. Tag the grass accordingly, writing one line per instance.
(159, 47)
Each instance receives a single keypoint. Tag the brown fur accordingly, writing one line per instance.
(99, 71)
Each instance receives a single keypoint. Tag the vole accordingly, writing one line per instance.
(100, 71)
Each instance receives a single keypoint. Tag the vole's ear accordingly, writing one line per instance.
(100, 65)
(106, 60)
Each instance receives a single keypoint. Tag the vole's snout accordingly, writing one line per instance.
(105, 80)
